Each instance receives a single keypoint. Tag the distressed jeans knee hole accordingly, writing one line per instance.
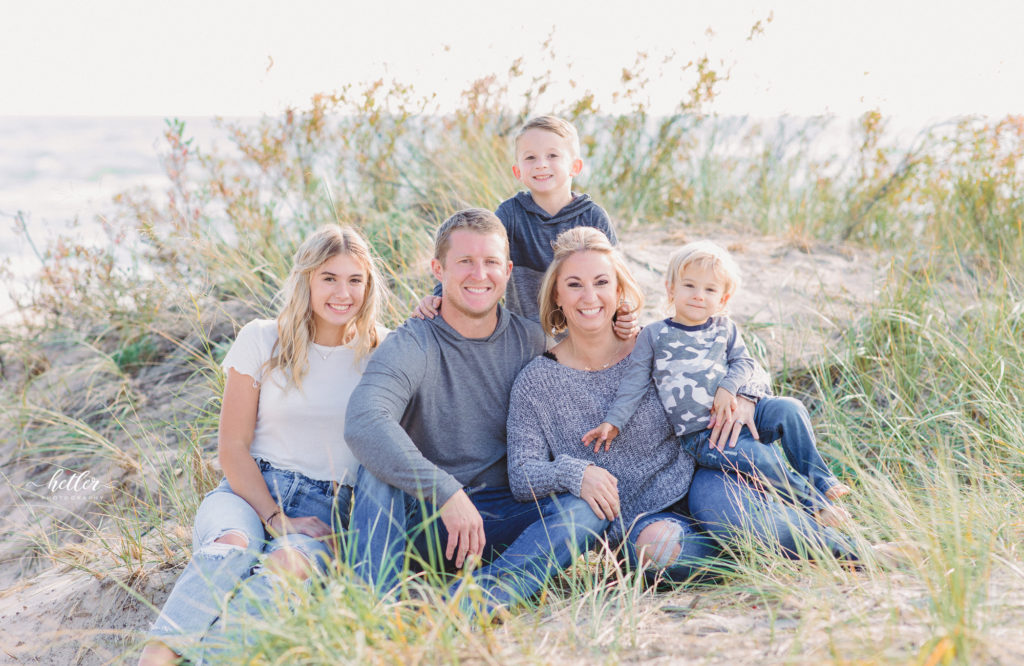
(664, 548)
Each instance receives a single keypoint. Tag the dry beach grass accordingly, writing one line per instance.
(82, 574)
(882, 286)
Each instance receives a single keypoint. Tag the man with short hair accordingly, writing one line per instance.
(427, 422)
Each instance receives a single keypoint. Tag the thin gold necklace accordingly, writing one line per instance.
(330, 350)
(587, 368)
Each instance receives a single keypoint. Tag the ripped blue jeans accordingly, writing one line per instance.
(216, 570)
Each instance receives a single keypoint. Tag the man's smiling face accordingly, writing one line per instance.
(473, 274)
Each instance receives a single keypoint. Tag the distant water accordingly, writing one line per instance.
(55, 170)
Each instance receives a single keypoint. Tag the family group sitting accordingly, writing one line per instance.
(462, 439)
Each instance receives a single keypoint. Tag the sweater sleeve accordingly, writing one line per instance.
(741, 365)
(531, 471)
(635, 380)
(373, 427)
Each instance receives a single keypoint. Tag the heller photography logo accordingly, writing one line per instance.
(69, 484)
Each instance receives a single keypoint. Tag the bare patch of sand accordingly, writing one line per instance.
(795, 298)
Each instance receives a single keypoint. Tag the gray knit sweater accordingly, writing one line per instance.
(552, 406)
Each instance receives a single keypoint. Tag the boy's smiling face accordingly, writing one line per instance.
(697, 294)
(546, 163)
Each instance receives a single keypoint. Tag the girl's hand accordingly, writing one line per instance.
(311, 526)
(601, 491)
(602, 434)
(625, 324)
(428, 307)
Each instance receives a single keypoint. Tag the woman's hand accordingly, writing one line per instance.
(601, 491)
(428, 307)
(729, 429)
(602, 434)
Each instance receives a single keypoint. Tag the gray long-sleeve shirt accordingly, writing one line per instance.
(687, 365)
(429, 415)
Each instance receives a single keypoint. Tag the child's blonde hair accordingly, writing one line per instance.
(295, 328)
(706, 255)
(568, 243)
(555, 125)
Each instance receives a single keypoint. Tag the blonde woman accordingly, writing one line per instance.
(669, 517)
(288, 471)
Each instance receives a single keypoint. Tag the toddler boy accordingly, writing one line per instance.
(697, 361)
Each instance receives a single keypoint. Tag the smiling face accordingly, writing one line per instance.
(337, 289)
(587, 291)
(698, 294)
(473, 274)
(546, 163)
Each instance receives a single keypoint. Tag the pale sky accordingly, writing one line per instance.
(920, 60)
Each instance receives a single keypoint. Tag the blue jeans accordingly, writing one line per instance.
(216, 570)
(733, 512)
(527, 542)
(785, 420)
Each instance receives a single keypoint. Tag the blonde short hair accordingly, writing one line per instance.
(478, 220)
(295, 323)
(555, 125)
(706, 255)
(568, 243)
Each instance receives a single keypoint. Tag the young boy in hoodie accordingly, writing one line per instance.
(547, 158)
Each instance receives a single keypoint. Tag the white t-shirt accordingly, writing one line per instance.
(300, 430)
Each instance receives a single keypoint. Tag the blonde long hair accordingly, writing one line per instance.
(568, 243)
(295, 327)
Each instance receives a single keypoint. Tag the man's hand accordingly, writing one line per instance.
(428, 307)
(625, 324)
(465, 528)
(729, 429)
(601, 491)
(602, 434)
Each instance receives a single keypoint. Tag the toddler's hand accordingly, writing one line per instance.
(602, 434)
(723, 407)
(625, 324)
(428, 307)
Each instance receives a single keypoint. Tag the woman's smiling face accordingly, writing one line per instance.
(337, 289)
(587, 291)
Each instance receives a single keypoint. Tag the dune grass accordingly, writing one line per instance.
(115, 369)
